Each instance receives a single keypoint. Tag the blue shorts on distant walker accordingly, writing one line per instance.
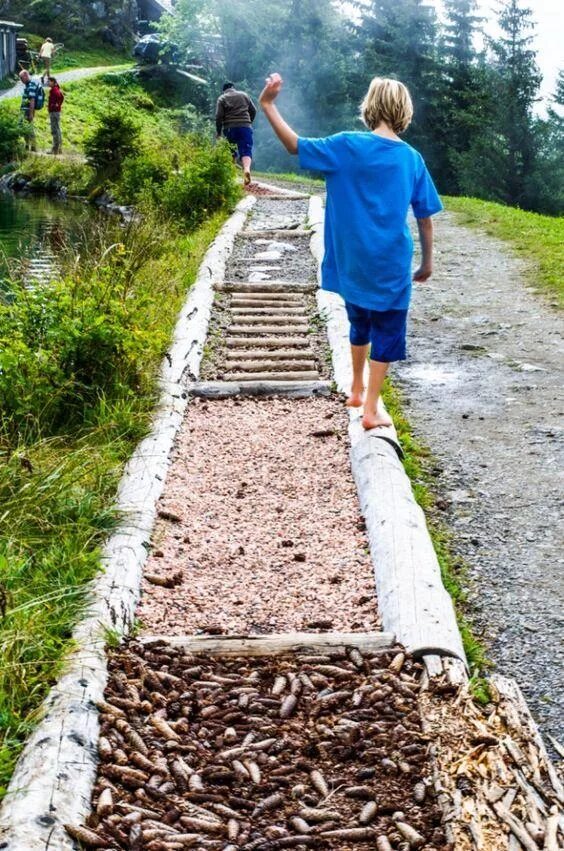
(385, 330)
(243, 138)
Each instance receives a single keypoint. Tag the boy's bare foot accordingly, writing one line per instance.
(378, 418)
(356, 398)
(375, 420)
(246, 178)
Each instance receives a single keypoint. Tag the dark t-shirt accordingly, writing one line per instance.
(234, 109)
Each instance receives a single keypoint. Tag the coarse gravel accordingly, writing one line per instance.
(484, 388)
(266, 525)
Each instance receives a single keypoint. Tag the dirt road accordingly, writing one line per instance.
(485, 393)
(63, 77)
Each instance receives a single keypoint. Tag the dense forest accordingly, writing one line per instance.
(474, 96)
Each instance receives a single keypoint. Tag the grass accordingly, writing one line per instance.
(534, 237)
(418, 463)
(56, 495)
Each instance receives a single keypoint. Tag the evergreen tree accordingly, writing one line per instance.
(466, 98)
(398, 39)
(518, 81)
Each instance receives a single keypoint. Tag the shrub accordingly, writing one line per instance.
(115, 138)
(204, 183)
(12, 134)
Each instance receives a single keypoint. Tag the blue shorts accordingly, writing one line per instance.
(243, 138)
(385, 330)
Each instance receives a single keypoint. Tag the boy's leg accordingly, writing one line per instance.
(359, 336)
(374, 415)
(387, 335)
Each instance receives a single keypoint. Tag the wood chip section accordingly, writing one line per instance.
(259, 527)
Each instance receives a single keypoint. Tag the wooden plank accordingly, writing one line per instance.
(246, 318)
(266, 286)
(252, 310)
(228, 389)
(267, 354)
(275, 644)
(270, 330)
(270, 297)
(281, 365)
(265, 342)
(304, 375)
(275, 233)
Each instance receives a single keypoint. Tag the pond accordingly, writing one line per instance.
(34, 230)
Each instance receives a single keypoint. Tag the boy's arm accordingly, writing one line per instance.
(283, 130)
(425, 270)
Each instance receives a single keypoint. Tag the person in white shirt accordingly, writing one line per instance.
(46, 55)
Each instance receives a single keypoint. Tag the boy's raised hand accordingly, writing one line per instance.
(271, 90)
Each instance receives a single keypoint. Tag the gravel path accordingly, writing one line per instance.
(64, 77)
(485, 393)
(266, 525)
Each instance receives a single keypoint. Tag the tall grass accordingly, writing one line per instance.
(61, 457)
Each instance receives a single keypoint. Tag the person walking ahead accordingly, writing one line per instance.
(373, 177)
(56, 98)
(46, 55)
(234, 116)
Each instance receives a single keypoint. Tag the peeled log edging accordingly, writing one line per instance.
(54, 777)
(412, 600)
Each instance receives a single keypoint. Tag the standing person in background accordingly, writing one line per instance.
(234, 116)
(56, 98)
(46, 55)
(29, 100)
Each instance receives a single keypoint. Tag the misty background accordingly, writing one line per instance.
(474, 78)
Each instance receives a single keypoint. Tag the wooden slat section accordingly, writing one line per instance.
(273, 645)
(228, 389)
(258, 295)
(266, 310)
(261, 318)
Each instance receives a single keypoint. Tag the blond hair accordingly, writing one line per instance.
(389, 101)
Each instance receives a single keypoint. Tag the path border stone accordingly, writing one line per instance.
(413, 603)
(54, 777)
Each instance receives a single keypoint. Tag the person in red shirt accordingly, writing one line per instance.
(56, 98)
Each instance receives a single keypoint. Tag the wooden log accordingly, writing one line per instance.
(270, 297)
(53, 779)
(264, 342)
(286, 194)
(228, 389)
(266, 286)
(305, 375)
(275, 644)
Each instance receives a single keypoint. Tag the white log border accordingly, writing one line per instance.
(54, 777)
(412, 600)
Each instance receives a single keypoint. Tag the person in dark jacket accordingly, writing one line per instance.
(234, 116)
(56, 98)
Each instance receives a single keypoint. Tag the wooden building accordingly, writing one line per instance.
(8, 36)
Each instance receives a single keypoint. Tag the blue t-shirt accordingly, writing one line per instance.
(371, 183)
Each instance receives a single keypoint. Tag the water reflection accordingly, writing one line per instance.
(33, 231)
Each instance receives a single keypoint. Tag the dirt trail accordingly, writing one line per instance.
(64, 77)
(485, 393)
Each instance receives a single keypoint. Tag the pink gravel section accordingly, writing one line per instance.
(266, 524)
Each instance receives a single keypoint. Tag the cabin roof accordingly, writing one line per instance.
(11, 25)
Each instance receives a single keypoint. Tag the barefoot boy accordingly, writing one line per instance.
(373, 177)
